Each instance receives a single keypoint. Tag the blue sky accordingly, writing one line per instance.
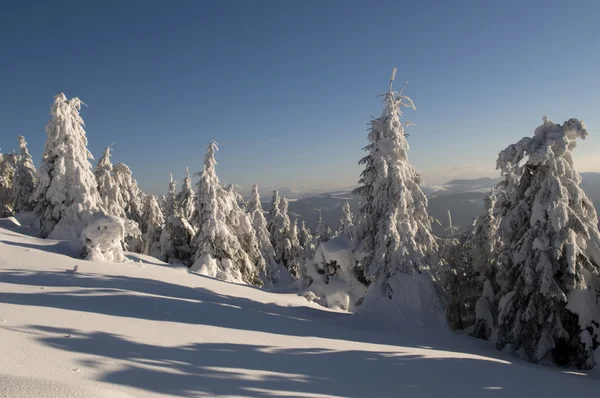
(287, 87)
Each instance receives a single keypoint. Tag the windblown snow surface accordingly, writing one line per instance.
(144, 329)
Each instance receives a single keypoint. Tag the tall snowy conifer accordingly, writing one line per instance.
(217, 250)
(25, 178)
(346, 224)
(550, 250)
(398, 248)
(8, 164)
(66, 191)
(186, 198)
(131, 195)
(112, 200)
(254, 208)
(306, 240)
(154, 226)
(322, 233)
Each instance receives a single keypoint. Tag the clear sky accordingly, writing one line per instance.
(287, 87)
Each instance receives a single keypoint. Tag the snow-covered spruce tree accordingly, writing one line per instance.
(65, 193)
(469, 277)
(8, 163)
(272, 215)
(241, 223)
(346, 224)
(154, 225)
(186, 198)
(306, 241)
(270, 275)
(398, 250)
(131, 195)
(323, 234)
(176, 237)
(296, 252)
(550, 251)
(110, 195)
(25, 178)
(217, 250)
(280, 235)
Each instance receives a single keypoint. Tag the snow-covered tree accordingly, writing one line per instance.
(155, 221)
(25, 178)
(112, 200)
(177, 234)
(217, 250)
(280, 232)
(241, 223)
(102, 239)
(65, 193)
(398, 249)
(254, 207)
(186, 198)
(131, 195)
(346, 224)
(8, 164)
(323, 233)
(273, 212)
(306, 240)
(550, 250)
(295, 252)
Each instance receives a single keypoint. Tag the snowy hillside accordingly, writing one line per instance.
(143, 329)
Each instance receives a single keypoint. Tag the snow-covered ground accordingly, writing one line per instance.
(143, 329)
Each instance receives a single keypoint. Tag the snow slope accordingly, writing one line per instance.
(145, 330)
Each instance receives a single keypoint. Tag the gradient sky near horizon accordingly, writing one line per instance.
(287, 87)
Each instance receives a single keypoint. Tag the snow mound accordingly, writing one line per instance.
(9, 222)
(102, 239)
(329, 277)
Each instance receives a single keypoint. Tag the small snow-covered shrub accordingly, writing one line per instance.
(103, 238)
(330, 275)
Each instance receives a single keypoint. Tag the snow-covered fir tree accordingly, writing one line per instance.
(550, 251)
(323, 232)
(66, 192)
(273, 212)
(296, 252)
(25, 178)
(110, 195)
(306, 240)
(131, 195)
(397, 246)
(186, 198)
(241, 223)
(154, 220)
(217, 250)
(270, 275)
(176, 237)
(280, 233)
(346, 224)
(8, 164)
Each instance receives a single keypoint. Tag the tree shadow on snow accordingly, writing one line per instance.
(263, 371)
(58, 247)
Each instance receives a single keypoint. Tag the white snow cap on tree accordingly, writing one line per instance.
(270, 275)
(177, 234)
(551, 250)
(110, 195)
(217, 250)
(154, 226)
(66, 191)
(25, 178)
(398, 248)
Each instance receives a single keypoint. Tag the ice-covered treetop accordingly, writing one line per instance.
(394, 100)
(209, 160)
(254, 201)
(63, 112)
(104, 162)
(551, 143)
